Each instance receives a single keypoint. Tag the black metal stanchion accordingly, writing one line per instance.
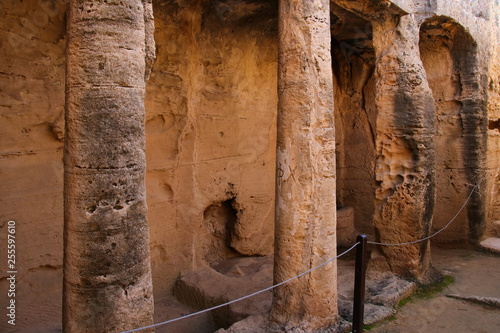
(359, 285)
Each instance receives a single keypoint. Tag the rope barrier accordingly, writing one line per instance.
(301, 274)
(244, 297)
(437, 232)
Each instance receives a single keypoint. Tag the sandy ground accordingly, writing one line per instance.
(475, 274)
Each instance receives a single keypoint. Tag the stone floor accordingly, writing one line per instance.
(476, 277)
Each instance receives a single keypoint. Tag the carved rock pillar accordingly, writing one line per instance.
(405, 163)
(305, 189)
(107, 273)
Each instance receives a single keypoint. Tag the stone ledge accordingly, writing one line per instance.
(491, 244)
(496, 228)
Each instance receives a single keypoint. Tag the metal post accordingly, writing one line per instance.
(359, 285)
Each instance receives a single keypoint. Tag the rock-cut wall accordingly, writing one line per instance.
(32, 79)
(211, 107)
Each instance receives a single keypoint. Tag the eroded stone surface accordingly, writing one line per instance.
(107, 271)
(211, 124)
(305, 232)
(450, 58)
(405, 147)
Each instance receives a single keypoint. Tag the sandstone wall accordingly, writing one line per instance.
(32, 77)
(353, 61)
(463, 74)
(460, 83)
(479, 19)
(211, 126)
(450, 58)
(493, 157)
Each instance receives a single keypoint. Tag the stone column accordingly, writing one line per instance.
(107, 274)
(305, 188)
(405, 163)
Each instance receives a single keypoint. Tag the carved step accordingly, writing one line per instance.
(491, 244)
(225, 281)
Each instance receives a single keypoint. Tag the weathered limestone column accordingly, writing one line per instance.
(405, 164)
(107, 274)
(305, 188)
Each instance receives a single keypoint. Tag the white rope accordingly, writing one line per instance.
(244, 297)
(437, 232)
